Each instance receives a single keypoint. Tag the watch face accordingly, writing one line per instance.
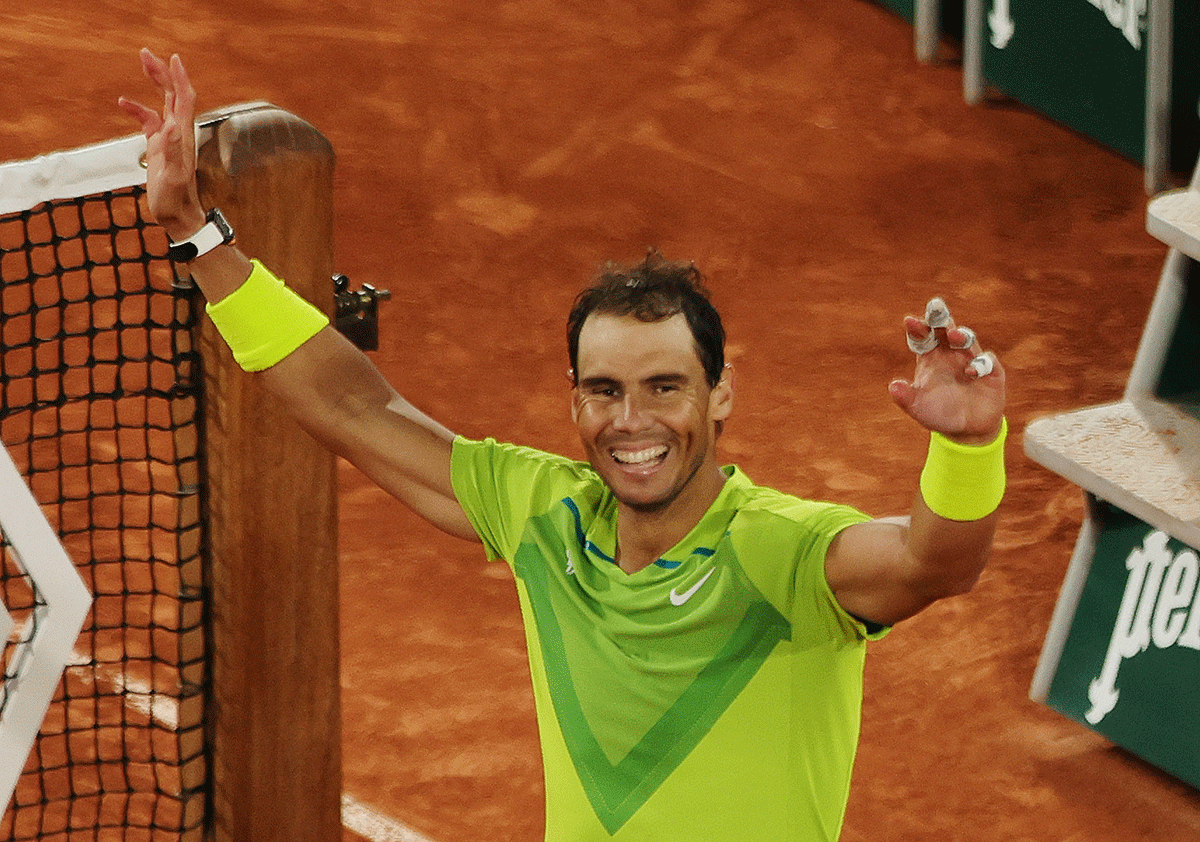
(218, 219)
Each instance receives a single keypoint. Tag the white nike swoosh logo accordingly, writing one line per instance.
(680, 598)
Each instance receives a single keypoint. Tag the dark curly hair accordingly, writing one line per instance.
(653, 290)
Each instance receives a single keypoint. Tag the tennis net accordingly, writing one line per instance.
(205, 528)
(99, 409)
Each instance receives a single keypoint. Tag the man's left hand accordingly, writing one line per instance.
(958, 389)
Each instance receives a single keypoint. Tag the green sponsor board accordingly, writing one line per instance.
(1185, 87)
(950, 15)
(904, 8)
(1075, 62)
(1130, 667)
(1084, 64)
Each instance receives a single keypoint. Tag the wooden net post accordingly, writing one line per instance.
(274, 718)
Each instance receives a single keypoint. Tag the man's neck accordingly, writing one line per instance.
(644, 536)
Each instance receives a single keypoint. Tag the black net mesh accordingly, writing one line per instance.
(99, 409)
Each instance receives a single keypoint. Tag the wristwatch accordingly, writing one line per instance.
(216, 232)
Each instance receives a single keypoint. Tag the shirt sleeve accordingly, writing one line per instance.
(501, 486)
(791, 538)
(811, 582)
(862, 628)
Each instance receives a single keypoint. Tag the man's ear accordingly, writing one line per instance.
(720, 401)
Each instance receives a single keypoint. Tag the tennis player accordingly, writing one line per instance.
(696, 641)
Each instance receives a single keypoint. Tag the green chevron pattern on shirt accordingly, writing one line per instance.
(637, 683)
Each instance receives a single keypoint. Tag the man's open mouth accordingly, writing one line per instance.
(643, 457)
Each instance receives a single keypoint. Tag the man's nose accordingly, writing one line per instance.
(632, 413)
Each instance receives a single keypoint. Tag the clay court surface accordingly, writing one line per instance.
(492, 155)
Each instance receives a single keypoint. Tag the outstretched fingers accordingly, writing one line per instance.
(982, 365)
(165, 75)
(149, 118)
(957, 387)
(924, 336)
(939, 330)
(179, 97)
(182, 97)
(921, 337)
(170, 145)
(961, 339)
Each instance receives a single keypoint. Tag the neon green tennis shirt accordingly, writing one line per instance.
(715, 695)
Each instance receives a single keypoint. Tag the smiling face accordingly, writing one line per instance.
(646, 414)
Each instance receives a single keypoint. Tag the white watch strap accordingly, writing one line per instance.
(205, 240)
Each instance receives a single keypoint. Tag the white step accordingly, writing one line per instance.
(1174, 218)
(1142, 455)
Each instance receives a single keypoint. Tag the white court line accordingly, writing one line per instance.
(375, 826)
(162, 709)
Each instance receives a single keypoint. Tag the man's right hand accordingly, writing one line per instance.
(170, 148)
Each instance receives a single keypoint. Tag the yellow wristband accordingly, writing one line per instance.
(961, 481)
(263, 321)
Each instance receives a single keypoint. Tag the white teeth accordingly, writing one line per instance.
(637, 457)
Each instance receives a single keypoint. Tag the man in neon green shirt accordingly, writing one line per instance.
(696, 642)
(694, 698)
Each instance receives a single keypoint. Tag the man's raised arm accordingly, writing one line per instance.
(331, 388)
(885, 571)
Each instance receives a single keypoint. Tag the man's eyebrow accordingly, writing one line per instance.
(668, 379)
(664, 379)
(596, 381)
